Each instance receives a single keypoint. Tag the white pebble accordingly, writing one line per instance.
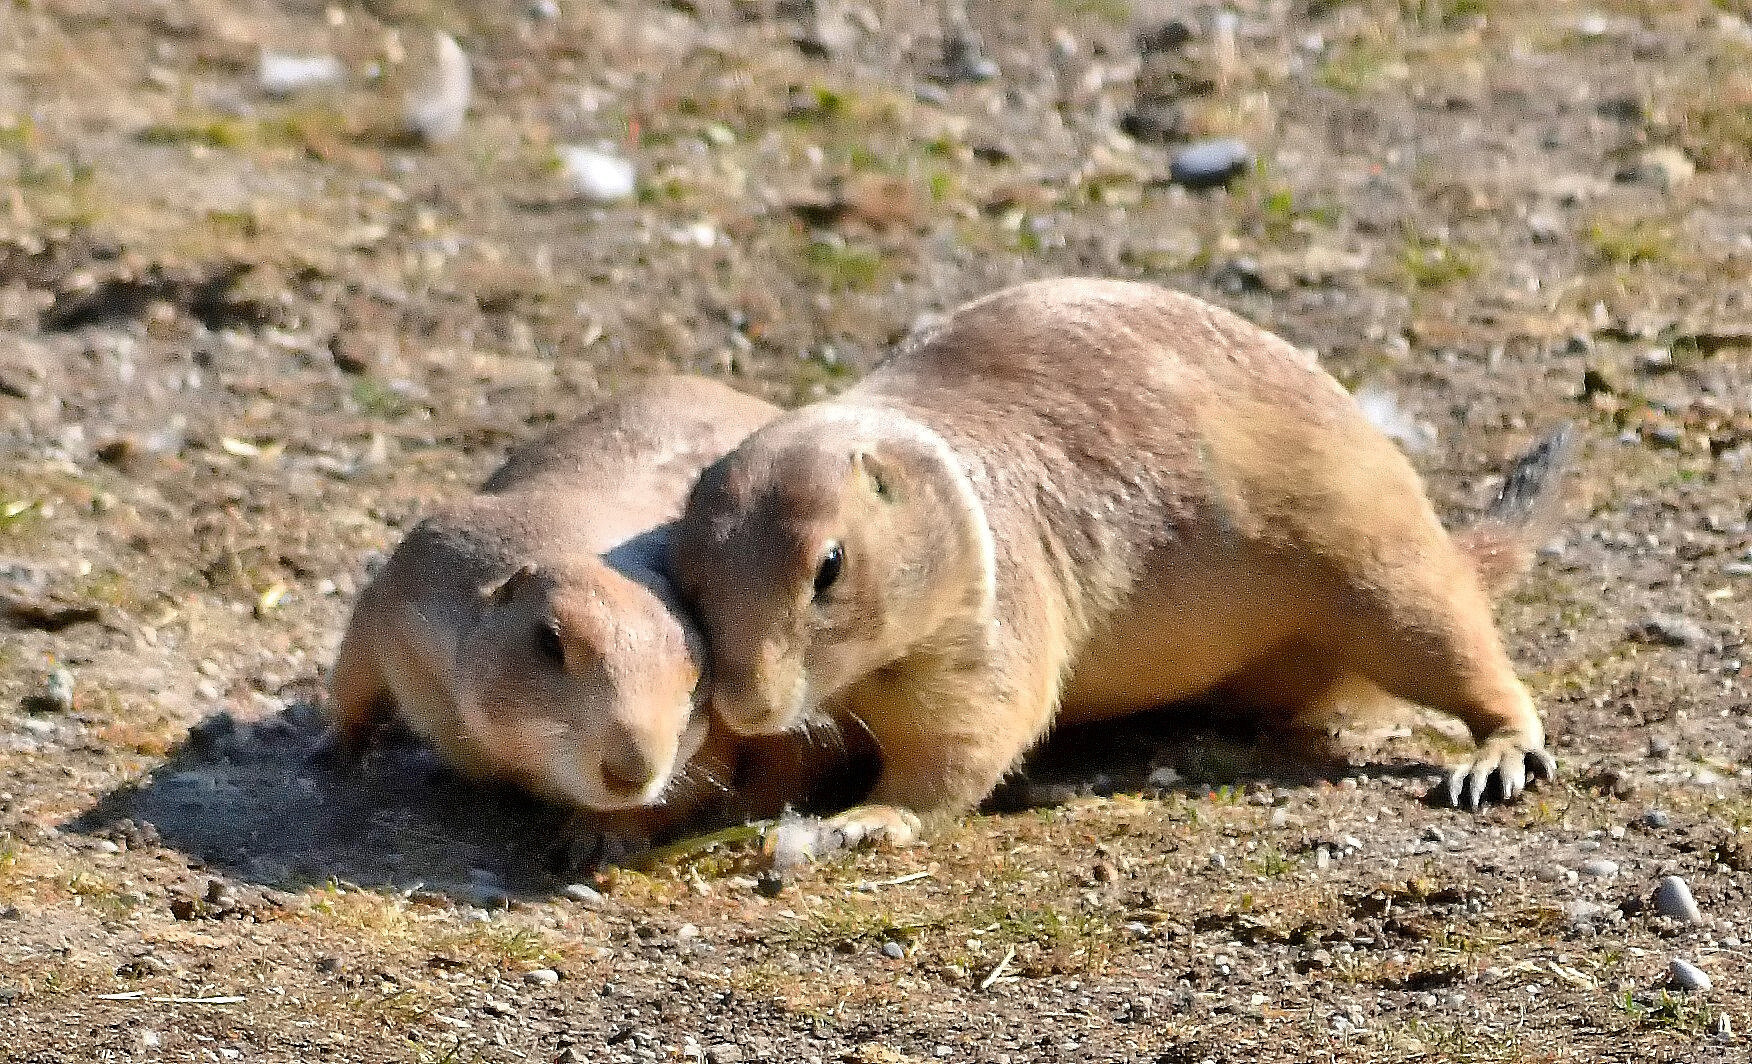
(436, 108)
(285, 75)
(1599, 868)
(598, 175)
(584, 894)
(893, 951)
(542, 977)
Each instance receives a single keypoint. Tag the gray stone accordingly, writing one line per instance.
(893, 951)
(1688, 977)
(1210, 163)
(1673, 899)
(1599, 868)
(584, 894)
(1657, 819)
(541, 977)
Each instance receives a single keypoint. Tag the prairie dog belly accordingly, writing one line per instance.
(1180, 639)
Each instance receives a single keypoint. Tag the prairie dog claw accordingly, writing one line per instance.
(1510, 760)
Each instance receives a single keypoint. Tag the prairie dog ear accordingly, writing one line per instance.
(874, 473)
(505, 590)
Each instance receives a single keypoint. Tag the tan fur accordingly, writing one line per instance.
(568, 533)
(1095, 497)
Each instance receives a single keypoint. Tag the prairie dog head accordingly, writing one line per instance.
(582, 684)
(830, 544)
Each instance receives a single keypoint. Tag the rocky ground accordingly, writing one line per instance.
(252, 319)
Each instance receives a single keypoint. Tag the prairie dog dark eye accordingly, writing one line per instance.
(547, 641)
(832, 561)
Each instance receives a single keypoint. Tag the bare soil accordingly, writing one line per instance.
(245, 339)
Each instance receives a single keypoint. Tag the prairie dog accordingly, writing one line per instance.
(530, 632)
(1073, 500)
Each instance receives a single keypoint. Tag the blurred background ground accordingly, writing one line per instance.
(248, 328)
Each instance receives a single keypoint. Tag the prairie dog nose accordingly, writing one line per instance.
(627, 768)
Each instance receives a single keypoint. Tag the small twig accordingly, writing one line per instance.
(140, 995)
(998, 972)
(910, 877)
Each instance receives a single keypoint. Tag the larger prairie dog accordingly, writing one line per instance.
(530, 632)
(1077, 499)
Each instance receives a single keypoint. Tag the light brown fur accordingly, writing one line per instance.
(565, 541)
(1074, 500)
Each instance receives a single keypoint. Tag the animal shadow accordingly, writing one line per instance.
(246, 800)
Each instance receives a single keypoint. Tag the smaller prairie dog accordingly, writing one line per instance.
(530, 632)
(1074, 500)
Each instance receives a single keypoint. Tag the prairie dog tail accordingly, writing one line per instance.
(1527, 511)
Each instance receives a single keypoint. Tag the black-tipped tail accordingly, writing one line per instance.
(1526, 512)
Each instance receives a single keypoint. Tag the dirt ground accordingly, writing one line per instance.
(244, 338)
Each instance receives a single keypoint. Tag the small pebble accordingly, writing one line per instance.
(584, 894)
(1164, 777)
(1657, 819)
(597, 175)
(1663, 168)
(285, 75)
(893, 951)
(1210, 163)
(1670, 630)
(58, 691)
(1656, 360)
(435, 109)
(1673, 899)
(1599, 868)
(541, 977)
(1688, 977)
(1723, 1028)
(964, 59)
